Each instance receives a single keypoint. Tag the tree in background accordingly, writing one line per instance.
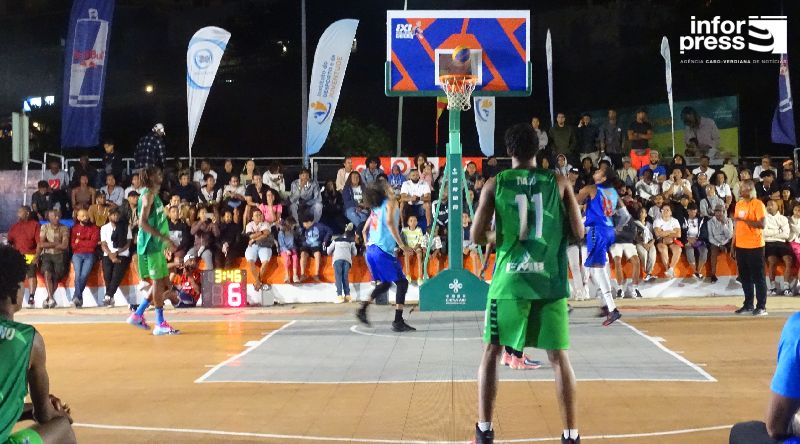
(351, 137)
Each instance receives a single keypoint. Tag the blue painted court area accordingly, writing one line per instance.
(445, 348)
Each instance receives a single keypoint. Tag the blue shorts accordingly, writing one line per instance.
(598, 240)
(384, 266)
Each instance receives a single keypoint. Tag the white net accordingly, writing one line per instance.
(459, 90)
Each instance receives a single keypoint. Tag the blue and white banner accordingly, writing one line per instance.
(668, 67)
(548, 48)
(202, 61)
(85, 60)
(330, 63)
(783, 119)
(484, 120)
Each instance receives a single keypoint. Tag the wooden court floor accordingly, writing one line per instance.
(126, 386)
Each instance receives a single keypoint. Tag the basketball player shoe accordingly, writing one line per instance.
(486, 437)
(164, 329)
(138, 321)
(524, 363)
(570, 440)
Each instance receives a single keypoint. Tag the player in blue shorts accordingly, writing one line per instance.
(602, 201)
(384, 237)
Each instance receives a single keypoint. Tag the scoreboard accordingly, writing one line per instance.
(224, 288)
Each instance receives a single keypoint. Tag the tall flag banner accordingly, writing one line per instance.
(202, 61)
(484, 120)
(548, 47)
(327, 74)
(668, 67)
(85, 60)
(783, 119)
(441, 105)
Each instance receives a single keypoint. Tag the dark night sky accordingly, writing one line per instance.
(605, 51)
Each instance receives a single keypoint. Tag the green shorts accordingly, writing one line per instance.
(25, 436)
(520, 323)
(153, 266)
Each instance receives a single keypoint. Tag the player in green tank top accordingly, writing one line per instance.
(22, 364)
(527, 303)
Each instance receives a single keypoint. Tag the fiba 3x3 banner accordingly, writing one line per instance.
(85, 61)
(327, 74)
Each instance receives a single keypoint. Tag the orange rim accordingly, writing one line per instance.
(464, 78)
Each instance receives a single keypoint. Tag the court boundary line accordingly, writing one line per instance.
(675, 355)
(444, 381)
(383, 441)
(243, 353)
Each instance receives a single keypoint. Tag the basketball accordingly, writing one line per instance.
(461, 54)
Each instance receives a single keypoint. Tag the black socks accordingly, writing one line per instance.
(398, 315)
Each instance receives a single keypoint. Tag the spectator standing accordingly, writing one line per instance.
(151, 149)
(305, 196)
(115, 195)
(624, 245)
(288, 249)
(640, 133)
(84, 239)
(695, 232)
(776, 248)
(200, 175)
(720, 234)
(24, 237)
(273, 178)
(205, 232)
(115, 241)
(259, 246)
(228, 240)
(343, 175)
(541, 135)
(610, 138)
(587, 135)
(749, 219)
(248, 173)
(315, 240)
(372, 171)
(645, 243)
(668, 233)
(342, 249)
(563, 137)
(352, 196)
(700, 135)
(112, 161)
(395, 179)
(416, 199)
(627, 173)
(52, 249)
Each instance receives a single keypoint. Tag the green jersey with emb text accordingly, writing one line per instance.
(531, 238)
(147, 243)
(16, 341)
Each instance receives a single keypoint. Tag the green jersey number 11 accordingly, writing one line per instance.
(538, 213)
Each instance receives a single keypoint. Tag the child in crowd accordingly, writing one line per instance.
(315, 238)
(414, 238)
(396, 179)
(186, 280)
(470, 249)
(288, 250)
(342, 249)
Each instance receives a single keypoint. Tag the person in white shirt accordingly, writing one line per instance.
(724, 192)
(415, 198)
(562, 165)
(115, 240)
(766, 164)
(274, 178)
(233, 196)
(776, 248)
(136, 185)
(645, 244)
(676, 186)
(344, 173)
(627, 173)
(541, 135)
(696, 248)
(720, 234)
(259, 246)
(210, 196)
(704, 168)
(647, 188)
(668, 232)
(114, 194)
(200, 175)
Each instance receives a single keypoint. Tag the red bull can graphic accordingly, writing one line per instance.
(88, 61)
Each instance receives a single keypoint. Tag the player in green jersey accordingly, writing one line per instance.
(536, 212)
(22, 365)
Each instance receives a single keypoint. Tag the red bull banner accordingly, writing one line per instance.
(85, 61)
(327, 74)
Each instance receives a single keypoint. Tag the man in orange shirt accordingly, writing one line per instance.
(748, 238)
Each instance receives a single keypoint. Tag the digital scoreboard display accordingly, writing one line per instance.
(224, 288)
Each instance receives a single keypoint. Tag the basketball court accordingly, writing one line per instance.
(681, 373)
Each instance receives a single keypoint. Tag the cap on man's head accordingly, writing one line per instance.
(626, 159)
(159, 128)
(575, 171)
(133, 193)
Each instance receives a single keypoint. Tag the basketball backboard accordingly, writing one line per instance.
(420, 44)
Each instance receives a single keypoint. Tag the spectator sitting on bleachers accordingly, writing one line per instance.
(233, 197)
(186, 280)
(287, 247)
(416, 199)
(766, 165)
(720, 181)
(647, 188)
(704, 168)
(645, 243)
(414, 238)
(627, 173)
(787, 198)
(315, 238)
(305, 196)
(426, 175)
(115, 241)
(396, 179)
(668, 233)
(586, 171)
(743, 175)
(259, 246)
(24, 237)
(205, 231)
(776, 248)
(342, 176)
(185, 189)
(333, 207)
(255, 194)
(84, 239)
(210, 195)
(248, 173)
(115, 195)
(82, 195)
(180, 235)
(676, 186)
(273, 178)
(695, 234)
(127, 212)
(52, 251)
(720, 234)
(200, 175)
(42, 200)
(136, 185)
(354, 208)
(372, 171)
(98, 212)
(271, 209)
(766, 186)
(699, 187)
(82, 167)
(228, 242)
(658, 170)
(655, 210)
(562, 165)
(224, 176)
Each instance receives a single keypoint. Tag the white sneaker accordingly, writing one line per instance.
(670, 273)
(339, 300)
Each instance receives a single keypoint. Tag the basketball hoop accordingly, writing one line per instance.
(459, 88)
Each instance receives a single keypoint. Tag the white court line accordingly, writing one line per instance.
(383, 441)
(355, 329)
(671, 353)
(177, 320)
(242, 354)
(444, 381)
